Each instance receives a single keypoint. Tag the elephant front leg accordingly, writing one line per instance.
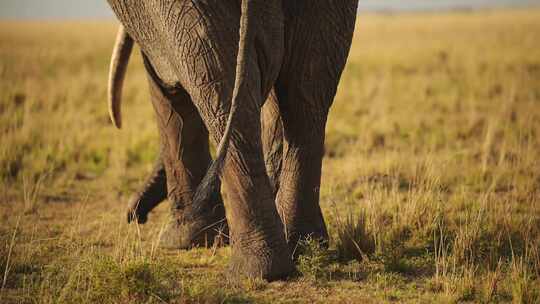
(298, 195)
(317, 42)
(186, 156)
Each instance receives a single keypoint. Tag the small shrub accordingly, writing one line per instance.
(314, 261)
(392, 250)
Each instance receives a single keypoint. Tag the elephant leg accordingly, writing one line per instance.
(258, 243)
(186, 156)
(151, 194)
(317, 41)
(272, 139)
(206, 66)
(256, 233)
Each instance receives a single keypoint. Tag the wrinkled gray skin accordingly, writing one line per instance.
(298, 48)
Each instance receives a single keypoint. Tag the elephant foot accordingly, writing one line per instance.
(258, 258)
(183, 232)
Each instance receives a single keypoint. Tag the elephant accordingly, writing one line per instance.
(212, 65)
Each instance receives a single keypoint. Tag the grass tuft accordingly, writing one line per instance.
(354, 240)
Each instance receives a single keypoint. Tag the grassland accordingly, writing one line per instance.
(431, 180)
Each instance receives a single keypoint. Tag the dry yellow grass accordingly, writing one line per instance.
(432, 168)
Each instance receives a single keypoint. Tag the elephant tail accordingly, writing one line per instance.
(117, 72)
(209, 184)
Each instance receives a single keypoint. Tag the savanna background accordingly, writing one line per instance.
(431, 179)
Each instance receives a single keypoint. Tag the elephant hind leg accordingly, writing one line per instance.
(186, 156)
(259, 249)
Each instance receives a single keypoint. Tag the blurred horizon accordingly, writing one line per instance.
(79, 9)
